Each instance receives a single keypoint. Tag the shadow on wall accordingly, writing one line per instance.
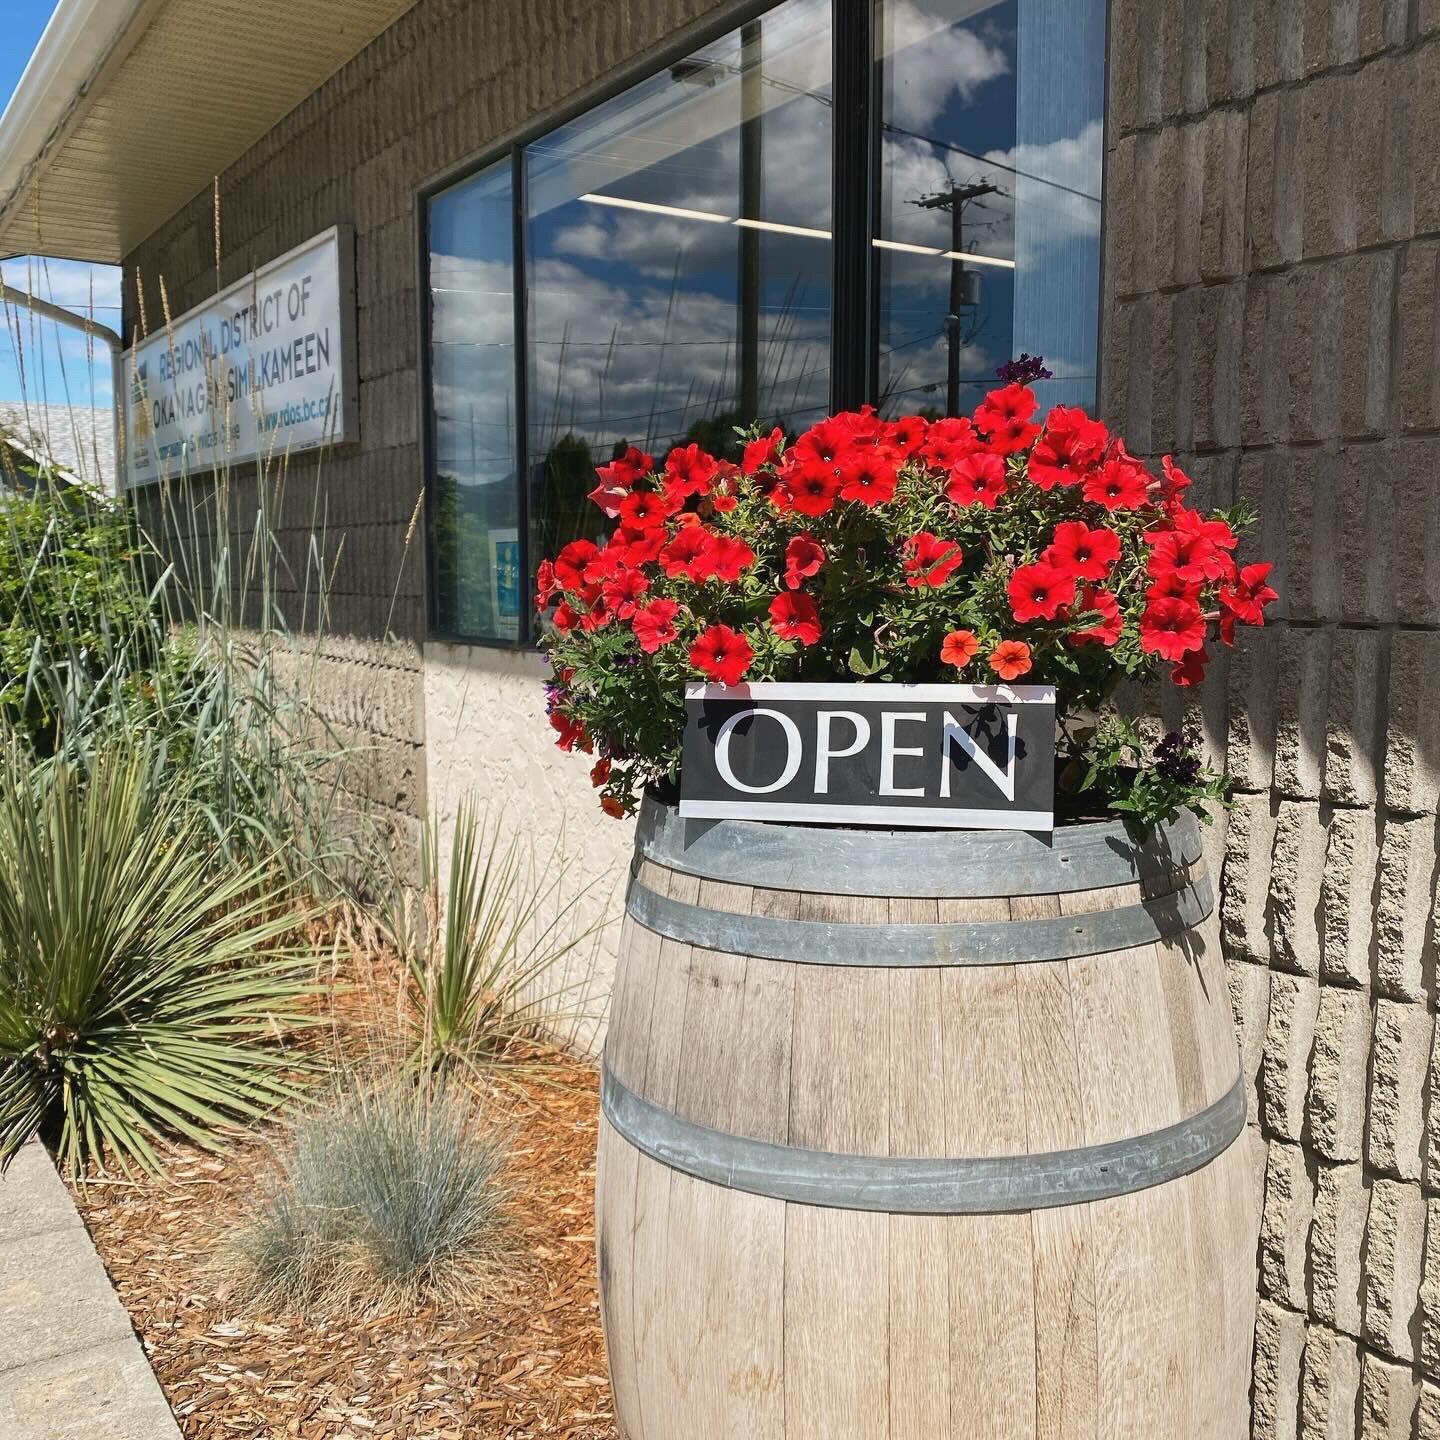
(486, 735)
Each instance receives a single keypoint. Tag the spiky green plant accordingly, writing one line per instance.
(383, 1193)
(144, 976)
(486, 953)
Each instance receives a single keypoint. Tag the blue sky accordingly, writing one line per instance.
(54, 360)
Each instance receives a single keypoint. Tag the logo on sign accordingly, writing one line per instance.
(959, 756)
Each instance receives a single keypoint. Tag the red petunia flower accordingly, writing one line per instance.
(599, 615)
(726, 558)
(1082, 552)
(804, 556)
(626, 469)
(907, 434)
(571, 563)
(1000, 407)
(1039, 591)
(638, 547)
(1191, 669)
(600, 771)
(978, 479)
(869, 476)
(1071, 446)
(643, 510)
(723, 654)
(687, 553)
(1010, 659)
(1189, 555)
(571, 732)
(1119, 484)
(654, 624)
(794, 616)
(622, 590)
(863, 426)
(762, 451)
(824, 443)
(617, 477)
(565, 618)
(690, 469)
(1004, 415)
(546, 587)
(929, 560)
(948, 442)
(1247, 596)
(1176, 483)
(1111, 624)
(809, 487)
(1172, 628)
(609, 498)
(1172, 586)
(611, 805)
(959, 648)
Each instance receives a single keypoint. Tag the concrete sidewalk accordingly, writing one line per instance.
(71, 1367)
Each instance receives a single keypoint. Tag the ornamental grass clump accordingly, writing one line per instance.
(488, 945)
(983, 549)
(145, 977)
(384, 1195)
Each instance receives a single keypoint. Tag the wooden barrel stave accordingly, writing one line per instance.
(730, 1313)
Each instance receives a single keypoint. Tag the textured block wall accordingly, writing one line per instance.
(1273, 317)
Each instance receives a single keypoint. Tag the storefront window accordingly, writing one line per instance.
(988, 237)
(678, 262)
(477, 570)
(683, 270)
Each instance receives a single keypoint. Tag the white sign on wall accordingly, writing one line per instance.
(264, 369)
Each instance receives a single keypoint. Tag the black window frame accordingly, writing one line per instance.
(854, 357)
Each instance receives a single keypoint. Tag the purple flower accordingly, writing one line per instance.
(1024, 371)
(1175, 760)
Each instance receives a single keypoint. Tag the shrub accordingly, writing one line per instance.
(143, 976)
(384, 1194)
(78, 612)
(984, 549)
(494, 928)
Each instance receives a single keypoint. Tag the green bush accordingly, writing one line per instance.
(77, 612)
(143, 975)
(384, 1194)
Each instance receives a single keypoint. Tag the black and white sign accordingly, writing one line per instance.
(957, 756)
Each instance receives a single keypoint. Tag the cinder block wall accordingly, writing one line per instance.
(1273, 251)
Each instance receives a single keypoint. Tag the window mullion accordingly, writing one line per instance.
(852, 188)
(524, 634)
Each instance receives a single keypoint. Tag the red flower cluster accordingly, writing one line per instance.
(1000, 545)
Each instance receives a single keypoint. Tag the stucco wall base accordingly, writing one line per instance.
(487, 736)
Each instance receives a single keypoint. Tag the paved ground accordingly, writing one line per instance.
(71, 1367)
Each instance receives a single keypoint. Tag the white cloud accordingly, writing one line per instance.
(937, 60)
(73, 284)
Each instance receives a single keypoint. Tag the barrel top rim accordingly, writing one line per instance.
(919, 862)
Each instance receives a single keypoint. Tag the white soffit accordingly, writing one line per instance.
(128, 108)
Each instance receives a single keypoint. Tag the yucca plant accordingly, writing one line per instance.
(384, 1193)
(144, 976)
(486, 952)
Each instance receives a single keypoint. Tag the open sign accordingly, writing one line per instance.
(955, 756)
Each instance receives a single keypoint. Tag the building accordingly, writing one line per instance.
(75, 444)
(580, 223)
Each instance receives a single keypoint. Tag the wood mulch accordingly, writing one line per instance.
(528, 1362)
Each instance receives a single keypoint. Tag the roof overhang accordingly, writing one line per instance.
(128, 108)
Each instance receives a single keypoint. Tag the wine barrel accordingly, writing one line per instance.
(923, 1134)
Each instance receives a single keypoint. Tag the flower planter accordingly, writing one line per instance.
(923, 1134)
